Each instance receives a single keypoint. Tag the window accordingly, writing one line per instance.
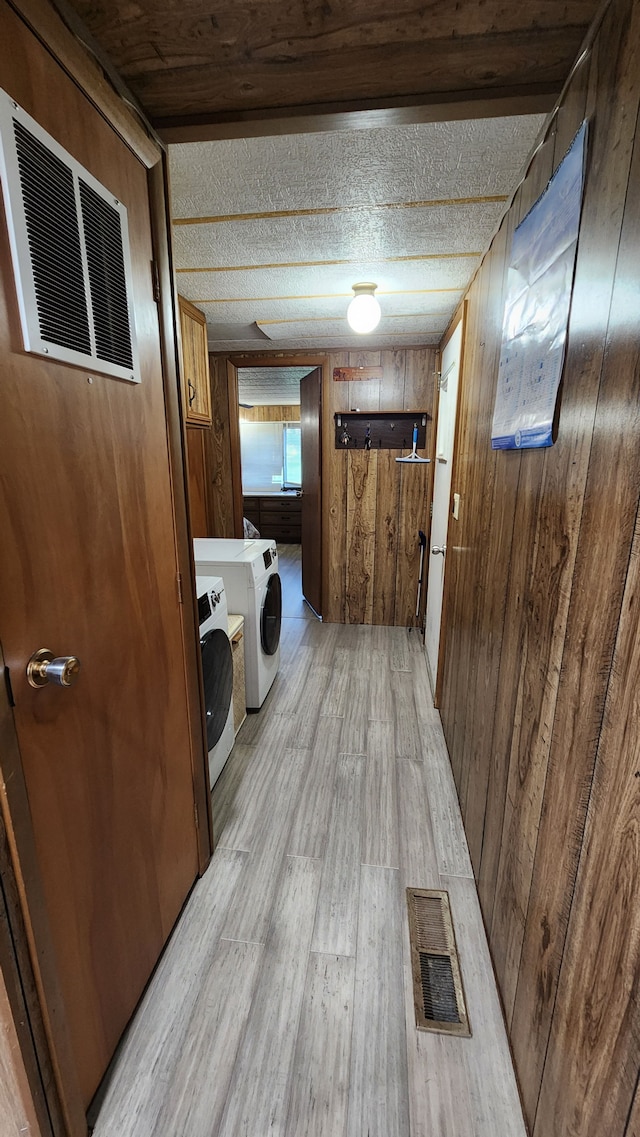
(271, 456)
(292, 455)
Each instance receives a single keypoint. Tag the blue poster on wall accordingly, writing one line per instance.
(536, 314)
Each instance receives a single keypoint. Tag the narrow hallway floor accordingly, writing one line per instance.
(283, 1003)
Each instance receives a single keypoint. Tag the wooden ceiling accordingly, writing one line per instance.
(210, 68)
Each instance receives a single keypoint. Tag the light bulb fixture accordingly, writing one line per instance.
(363, 313)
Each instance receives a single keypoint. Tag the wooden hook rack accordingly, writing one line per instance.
(380, 430)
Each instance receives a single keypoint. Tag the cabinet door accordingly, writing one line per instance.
(196, 389)
(198, 487)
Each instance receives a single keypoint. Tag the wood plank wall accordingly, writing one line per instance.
(372, 508)
(542, 585)
(266, 413)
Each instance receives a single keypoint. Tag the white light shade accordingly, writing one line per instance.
(363, 313)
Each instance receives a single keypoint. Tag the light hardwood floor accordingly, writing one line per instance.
(283, 1003)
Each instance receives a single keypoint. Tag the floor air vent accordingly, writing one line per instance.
(437, 983)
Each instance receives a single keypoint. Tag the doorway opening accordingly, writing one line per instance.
(277, 463)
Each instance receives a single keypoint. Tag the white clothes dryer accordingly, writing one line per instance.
(217, 671)
(250, 573)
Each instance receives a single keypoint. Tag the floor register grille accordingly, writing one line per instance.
(438, 994)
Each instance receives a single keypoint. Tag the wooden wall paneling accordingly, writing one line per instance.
(491, 781)
(476, 512)
(362, 493)
(334, 493)
(198, 474)
(451, 708)
(413, 515)
(633, 1124)
(365, 395)
(515, 737)
(471, 481)
(609, 505)
(415, 489)
(386, 547)
(474, 463)
(485, 804)
(502, 561)
(362, 480)
(362, 504)
(388, 496)
(394, 378)
(419, 385)
(494, 524)
(220, 464)
(234, 443)
(591, 1070)
(169, 322)
(265, 413)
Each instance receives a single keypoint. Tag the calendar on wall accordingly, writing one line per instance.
(536, 314)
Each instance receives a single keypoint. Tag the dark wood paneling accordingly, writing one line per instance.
(241, 58)
(198, 475)
(534, 593)
(591, 1070)
(168, 319)
(221, 497)
(633, 1125)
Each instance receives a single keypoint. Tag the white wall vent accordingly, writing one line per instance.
(70, 248)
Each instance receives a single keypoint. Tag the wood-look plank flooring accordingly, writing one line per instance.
(283, 1003)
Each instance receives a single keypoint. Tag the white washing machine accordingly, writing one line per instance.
(252, 583)
(217, 671)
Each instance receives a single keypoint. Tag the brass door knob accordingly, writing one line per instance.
(44, 667)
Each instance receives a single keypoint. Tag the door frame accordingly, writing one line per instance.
(459, 317)
(26, 951)
(250, 359)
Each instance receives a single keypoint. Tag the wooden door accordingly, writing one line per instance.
(311, 521)
(88, 567)
(436, 560)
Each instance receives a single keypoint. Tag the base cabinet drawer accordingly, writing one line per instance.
(276, 518)
(286, 534)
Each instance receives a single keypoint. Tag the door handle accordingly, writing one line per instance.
(44, 667)
(191, 387)
(439, 549)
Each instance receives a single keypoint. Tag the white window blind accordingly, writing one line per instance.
(262, 457)
(270, 454)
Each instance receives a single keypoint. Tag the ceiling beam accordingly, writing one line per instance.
(209, 69)
(364, 114)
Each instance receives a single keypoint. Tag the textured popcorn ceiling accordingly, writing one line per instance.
(270, 234)
(273, 386)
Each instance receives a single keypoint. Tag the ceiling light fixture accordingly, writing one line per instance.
(363, 313)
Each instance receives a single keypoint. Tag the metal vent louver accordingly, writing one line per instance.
(438, 994)
(70, 248)
(49, 199)
(103, 239)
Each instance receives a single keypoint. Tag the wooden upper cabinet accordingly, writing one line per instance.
(196, 389)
